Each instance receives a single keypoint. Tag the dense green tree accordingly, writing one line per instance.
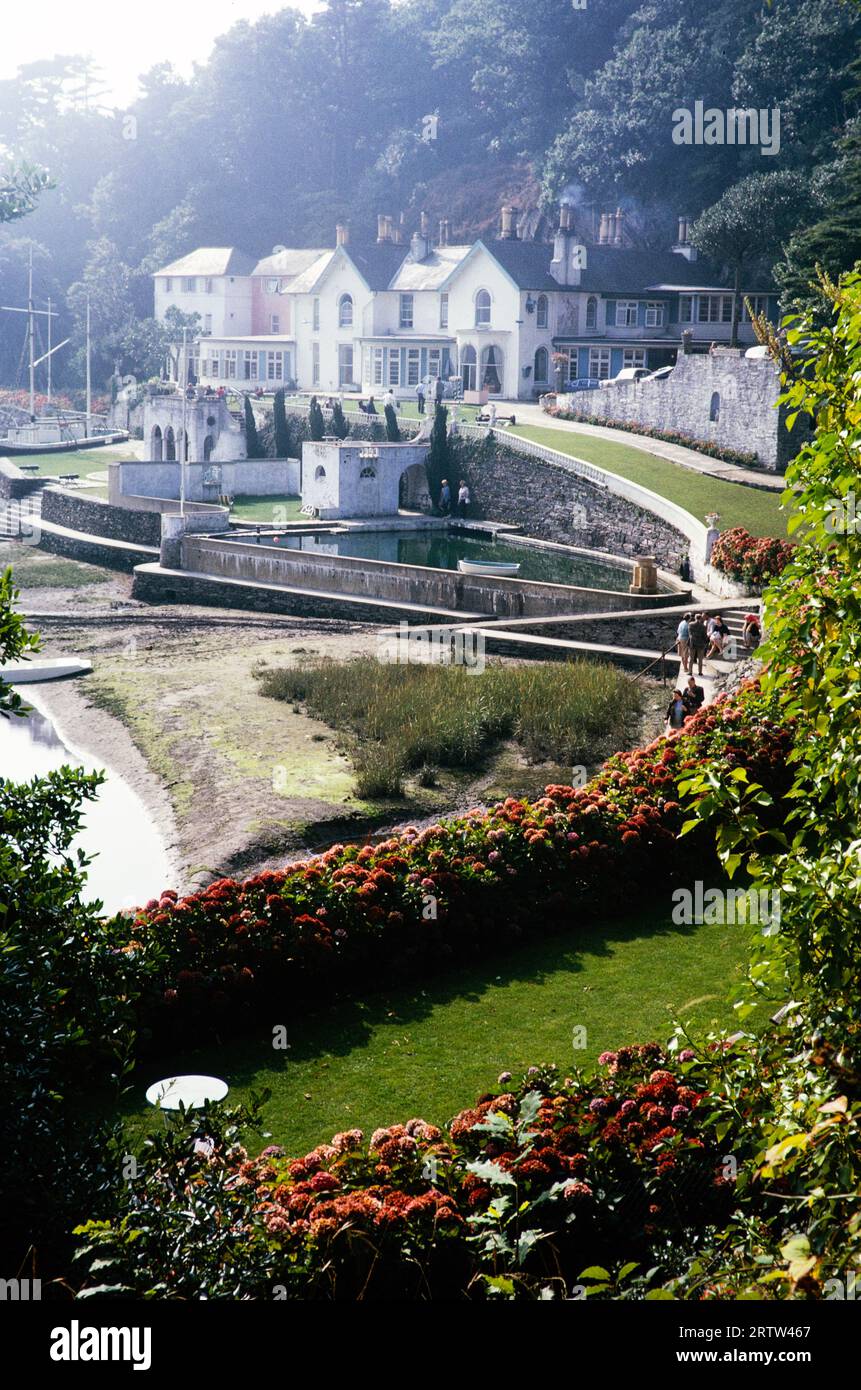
(340, 426)
(253, 447)
(316, 423)
(439, 463)
(393, 434)
(749, 224)
(281, 429)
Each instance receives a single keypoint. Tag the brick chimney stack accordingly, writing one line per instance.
(508, 232)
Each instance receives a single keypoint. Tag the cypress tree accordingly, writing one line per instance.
(253, 447)
(439, 462)
(393, 434)
(339, 421)
(316, 423)
(282, 427)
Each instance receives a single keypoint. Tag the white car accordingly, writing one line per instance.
(627, 374)
(660, 375)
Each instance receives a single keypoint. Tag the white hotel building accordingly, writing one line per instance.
(366, 317)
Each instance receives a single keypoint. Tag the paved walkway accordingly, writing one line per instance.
(527, 413)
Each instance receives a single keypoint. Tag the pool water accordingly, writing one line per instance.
(442, 550)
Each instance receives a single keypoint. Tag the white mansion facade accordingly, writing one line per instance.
(492, 314)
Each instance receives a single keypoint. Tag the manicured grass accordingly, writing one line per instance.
(430, 1051)
(698, 493)
(81, 461)
(401, 717)
(273, 511)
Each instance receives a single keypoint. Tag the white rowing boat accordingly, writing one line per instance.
(499, 569)
(46, 669)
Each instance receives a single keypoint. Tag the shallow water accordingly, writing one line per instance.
(442, 549)
(130, 861)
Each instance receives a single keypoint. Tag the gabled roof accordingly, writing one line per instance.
(308, 280)
(377, 262)
(526, 262)
(631, 270)
(289, 263)
(210, 261)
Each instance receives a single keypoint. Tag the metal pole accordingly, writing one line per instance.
(49, 349)
(183, 456)
(89, 390)
(30, 336)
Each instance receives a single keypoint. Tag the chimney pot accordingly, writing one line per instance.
(424, 224)
(564, 217)
(602, 232)
(507, 232)
(619, 219)
(342, 234)
(381, 227)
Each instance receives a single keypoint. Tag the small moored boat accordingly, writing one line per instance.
(49, 668)
(499, 569)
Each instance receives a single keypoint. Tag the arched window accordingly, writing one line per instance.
(169, 444)
(157, 442)
(208, 445)
(541, 364)
(541, 312)
(491, 370)
(482, 309)
(319, 473)
(591, 312)
(468, 368)
(345, 311)
(714, 408)
(368, 474)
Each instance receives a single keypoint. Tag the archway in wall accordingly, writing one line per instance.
(156, 444)
(413, 494)
(208, 446)
(170, 444)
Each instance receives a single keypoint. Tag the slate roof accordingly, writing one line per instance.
(613, 269)
(377, 262)
(210, 261)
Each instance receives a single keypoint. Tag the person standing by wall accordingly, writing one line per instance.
(445, 497)
(683, 642)
(420, 397)
(463, 499)
(699, 640)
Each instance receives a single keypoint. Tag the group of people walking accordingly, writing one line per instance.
(684, 704)
(463, 499)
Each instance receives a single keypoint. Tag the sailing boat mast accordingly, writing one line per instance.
(31, 339)
(89, 392)
(50, 350)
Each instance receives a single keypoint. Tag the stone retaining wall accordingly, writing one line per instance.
(553, 504)
(721, 398)
(89, 514)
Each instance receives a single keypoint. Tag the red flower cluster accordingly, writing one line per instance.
(752, 560)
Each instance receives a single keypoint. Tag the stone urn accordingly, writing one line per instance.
(645, 579)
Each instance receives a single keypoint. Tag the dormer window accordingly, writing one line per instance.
(541, 313)
(482, 309)
(345, 311)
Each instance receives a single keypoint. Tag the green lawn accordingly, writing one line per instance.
(82, 461)
(698, 493)
(273, 511)
(430, 1051)
(36, 569)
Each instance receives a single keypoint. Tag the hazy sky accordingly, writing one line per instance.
(125, 40)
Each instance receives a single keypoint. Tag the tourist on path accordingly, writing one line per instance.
(445, 498)
(420, 397)
(683, 642)
(693, 697)
(699, 640)
(463, 499)
(439, 391)
(752, 632)
(389, 398)
(675, 712)
(718, 632)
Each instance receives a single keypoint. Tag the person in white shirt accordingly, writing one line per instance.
(683, 643)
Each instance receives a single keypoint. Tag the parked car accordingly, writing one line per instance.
(660, 375)
(627, 374)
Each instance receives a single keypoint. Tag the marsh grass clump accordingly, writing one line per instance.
(398, 719)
